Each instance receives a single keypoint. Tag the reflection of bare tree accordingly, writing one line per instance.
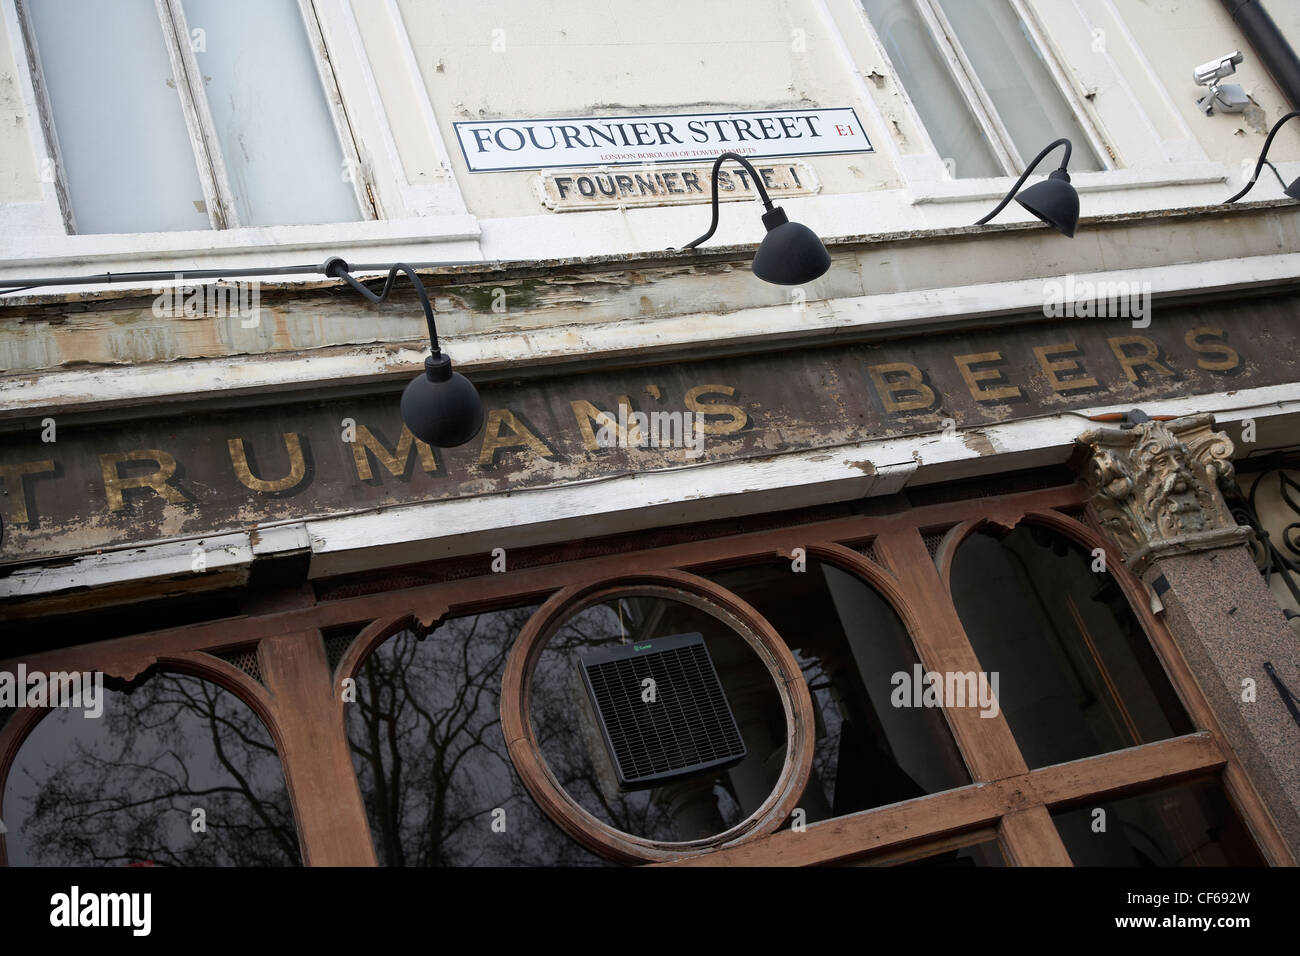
(431, 760)
(125, 792)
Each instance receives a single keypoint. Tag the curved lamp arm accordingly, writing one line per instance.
(758, 181)
(1263, 154)
(338, 269)
(1065, 161)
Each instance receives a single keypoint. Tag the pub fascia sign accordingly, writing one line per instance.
(598, 141)
(157, 479)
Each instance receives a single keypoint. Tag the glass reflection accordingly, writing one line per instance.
(850, 644)
(1077, 674)
(693, 807)
(425, 731)
(176, 772)
(1189, 825)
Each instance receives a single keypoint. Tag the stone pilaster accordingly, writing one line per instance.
(1156, 487)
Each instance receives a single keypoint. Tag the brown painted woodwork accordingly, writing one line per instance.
(302, 708)
(530, 763)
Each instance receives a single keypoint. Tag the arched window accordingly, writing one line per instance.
(1077, 675)
(174, 771)
(852, 647)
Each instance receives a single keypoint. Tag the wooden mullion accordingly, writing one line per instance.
(847, 837)
(1029, 838)
(1017, 805)
(315, 755)
(1124, 771)
(986, 743)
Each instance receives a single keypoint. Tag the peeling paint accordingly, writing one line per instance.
(978, 442)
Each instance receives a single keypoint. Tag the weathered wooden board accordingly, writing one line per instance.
(96, 487)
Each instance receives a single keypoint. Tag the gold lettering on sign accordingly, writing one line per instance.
(1230, 358)
(586, 413)
(518, 435)
(1146, 358)
(12, 475)
(115, 484)
(395, 461)
(1067, 352)
(297, 466)
(912, 381)
(974, 378)
(736, 417)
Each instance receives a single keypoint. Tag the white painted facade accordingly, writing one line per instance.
(906, 256)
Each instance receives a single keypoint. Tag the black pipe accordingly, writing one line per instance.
(1277, 55)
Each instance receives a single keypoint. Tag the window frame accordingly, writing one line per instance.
(219, 199)
(977, 98)
(904, 555)
(981, 103)
(1126, 116)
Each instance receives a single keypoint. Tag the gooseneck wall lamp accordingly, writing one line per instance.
(1294, 189)
(790, 253)
(1054, 200)
(440, 407)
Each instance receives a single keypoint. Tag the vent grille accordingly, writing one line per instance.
(687, 728)
(245, 658)
(933, 539)
(336, 645)
(868, 551)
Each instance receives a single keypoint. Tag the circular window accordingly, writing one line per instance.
(656, 717)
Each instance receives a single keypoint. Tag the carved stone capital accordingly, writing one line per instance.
(1156, 487)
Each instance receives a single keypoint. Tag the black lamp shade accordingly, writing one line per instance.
(1054, 201)
(790, 253)
(442, 407)
(1294, 189)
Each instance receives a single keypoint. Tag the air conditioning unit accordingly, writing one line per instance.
(661, 710)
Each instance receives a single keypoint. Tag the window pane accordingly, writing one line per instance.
(850, 644)
(122, 788)
(278, 141)
(431, 760)
(688, 808)
(126, 153)
(1012, 70)
(1077, 675)
(1190, 825)
(929, 84)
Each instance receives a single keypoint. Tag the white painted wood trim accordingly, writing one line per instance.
(205, 144)
(695, 334)
(1054, 58)
(972, 90)
(210, 249)
(323, 58)
(55, 208)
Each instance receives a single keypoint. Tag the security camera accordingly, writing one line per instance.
(1225, 97)
(1207, 74)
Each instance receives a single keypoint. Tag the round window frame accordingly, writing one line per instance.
(579, 823)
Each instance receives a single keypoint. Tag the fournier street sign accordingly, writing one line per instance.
(501, 145)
